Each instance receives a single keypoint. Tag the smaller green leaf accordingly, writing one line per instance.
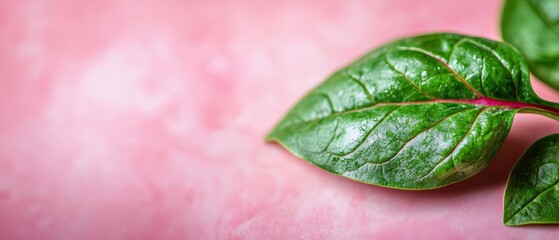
(532, 193)
(533, 27)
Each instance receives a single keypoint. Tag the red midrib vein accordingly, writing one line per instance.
(480, 101)
(484, 101)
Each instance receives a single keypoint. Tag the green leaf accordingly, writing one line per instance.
(533, 27)
(418, 113)
(532, 194)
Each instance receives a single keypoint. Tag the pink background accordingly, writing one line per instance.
(145, 120)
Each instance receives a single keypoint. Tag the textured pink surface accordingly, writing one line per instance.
(145, 120)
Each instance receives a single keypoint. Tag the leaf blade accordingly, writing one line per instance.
(389, 118)
(532, 191)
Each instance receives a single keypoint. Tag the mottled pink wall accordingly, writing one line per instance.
(145, 119)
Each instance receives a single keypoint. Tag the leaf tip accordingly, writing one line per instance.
(270, 137)
(508, 223)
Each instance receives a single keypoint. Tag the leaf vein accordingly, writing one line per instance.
(532, 200)
(483, 71)
(368, 134)
(333, 136)
(454, 148)
(415, 86)
(445, 64)
(328, 99)
(364, 87)
(411, 139)
(456, 45)
(420, 132)
(499, 59)
(544, 18)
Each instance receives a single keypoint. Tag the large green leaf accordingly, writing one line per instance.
(532, 194)
(533, 27)
(418, 113)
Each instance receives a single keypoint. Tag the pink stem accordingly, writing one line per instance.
(501, 103)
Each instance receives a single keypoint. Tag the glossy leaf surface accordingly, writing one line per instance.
(533, 27)
(419, 113)
(532, 194)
